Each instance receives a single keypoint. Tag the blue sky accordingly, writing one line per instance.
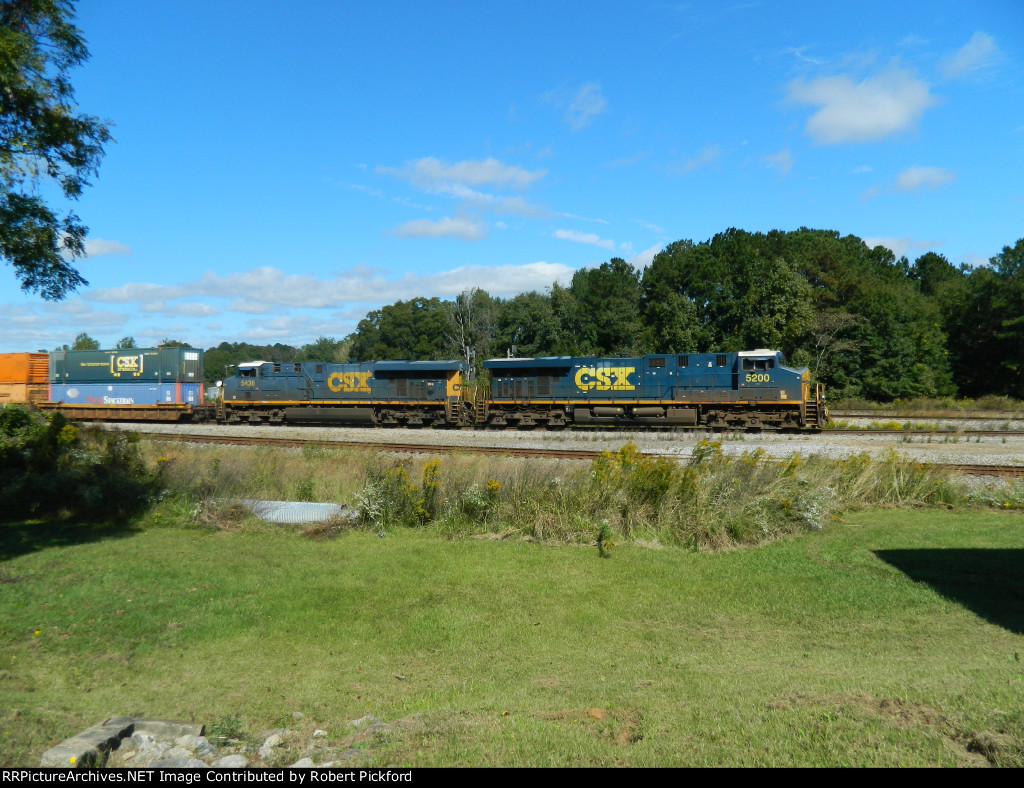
(282, 168)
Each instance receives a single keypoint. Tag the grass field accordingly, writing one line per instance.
(891, 637)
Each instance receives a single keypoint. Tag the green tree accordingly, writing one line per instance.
(43, 139)
(411, 329)
(672, 322)
(125, 343)
(526, 326)
(326, 349)
(1009, 306)
(600, 313)
(777, 308)
(688, 292)
(933, 272)
(986, 332)
(85, 342)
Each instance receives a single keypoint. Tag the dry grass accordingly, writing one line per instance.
(710, 502)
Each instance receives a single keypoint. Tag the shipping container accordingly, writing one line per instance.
(138, 365)
(122, 394)
(24, 367)
(23, 393)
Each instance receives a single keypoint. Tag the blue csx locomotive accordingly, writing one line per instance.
(745, 390)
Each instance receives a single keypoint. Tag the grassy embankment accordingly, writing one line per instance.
(885, 637)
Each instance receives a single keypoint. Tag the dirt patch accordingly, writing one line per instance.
(330, 529)
(622, 726)
(999, 749)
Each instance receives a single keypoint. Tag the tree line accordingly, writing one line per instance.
(866, 323)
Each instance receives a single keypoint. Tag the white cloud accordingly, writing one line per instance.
(499, 280)
(73, 306)
(978, 53)
(581, 106)
(137, 291)
(476, 199)
(192, 309)
(260, 290)
(707, 155)
(912, 180)
(459, 181)
(463, 229)
(584, 238)
(798, 53)
(581, 218)
(865, 111)
(585, 105)
(973, 259)
(429, 172)
(782, 161)
(97, 247)
(44, 326)
(248, 307)
(645, 257)
(627, 161)
(901, 246)
(652, 227)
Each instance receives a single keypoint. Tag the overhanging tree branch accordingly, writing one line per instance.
(43, 137)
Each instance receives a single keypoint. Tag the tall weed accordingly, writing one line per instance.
(711, 500)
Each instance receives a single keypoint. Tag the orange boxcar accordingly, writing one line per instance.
(25, 368)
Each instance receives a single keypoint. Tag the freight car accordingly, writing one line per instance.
(23, 378)
(745, 390)
(137, 384)
(382, 393)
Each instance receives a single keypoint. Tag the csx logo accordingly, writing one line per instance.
(127, 364)
(349, 381)
(604, 378)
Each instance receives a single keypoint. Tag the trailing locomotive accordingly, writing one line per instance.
(382, 393)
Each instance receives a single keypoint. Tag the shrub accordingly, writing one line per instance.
(48, 467)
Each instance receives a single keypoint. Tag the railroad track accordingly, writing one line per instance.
(929, 415)
(946, 432)
(1012, 471)
(400, 448)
